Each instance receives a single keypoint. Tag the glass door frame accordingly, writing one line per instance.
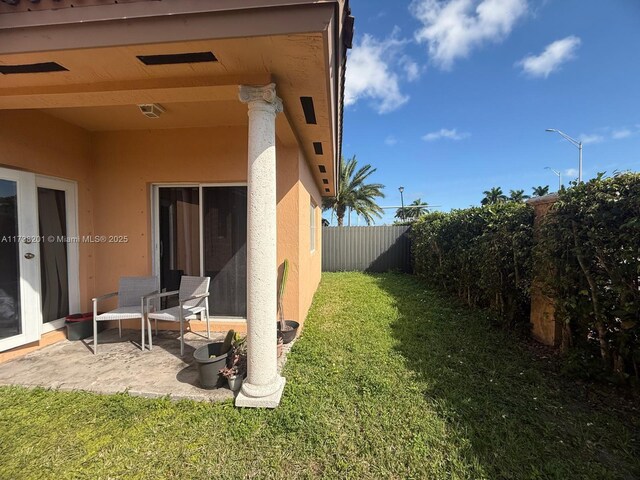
(29, 269)
(73, 251)
(155, 225)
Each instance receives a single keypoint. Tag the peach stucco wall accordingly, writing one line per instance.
(310, 262)
(296, 189)
(288, 208)
(126, 164)
(38, 143)
(115, 171)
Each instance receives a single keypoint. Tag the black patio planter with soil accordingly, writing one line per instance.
(80, 326)
(290, 331)
(210, 361)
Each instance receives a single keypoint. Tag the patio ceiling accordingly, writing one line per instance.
(104, 79)
(176, 115)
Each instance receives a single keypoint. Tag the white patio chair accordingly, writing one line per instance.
(131, 292)
(193, 299)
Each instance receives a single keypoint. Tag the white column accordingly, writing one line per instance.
(263, 386)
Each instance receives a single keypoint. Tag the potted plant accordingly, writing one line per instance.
(287, 329)
(236, 367)
(211, 358)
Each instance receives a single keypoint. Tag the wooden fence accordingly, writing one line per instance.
(366, 249)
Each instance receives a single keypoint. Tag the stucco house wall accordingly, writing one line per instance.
(127, 163)
(115, 172)
(310, 262)
(39, 143)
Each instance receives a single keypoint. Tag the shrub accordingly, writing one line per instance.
(589, 254)
(586, 257)
(480, 254)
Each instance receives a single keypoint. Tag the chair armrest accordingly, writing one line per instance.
(104, 297)
(195, 297)
(159, 295)
(146, 299)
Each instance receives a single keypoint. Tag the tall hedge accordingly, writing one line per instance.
(588, 255)
(480, 254)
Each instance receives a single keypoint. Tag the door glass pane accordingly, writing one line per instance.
(54, 272)
(179, 236)
(225, 249)
(10, 323)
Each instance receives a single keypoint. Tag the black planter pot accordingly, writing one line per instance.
(210, 361)
(80, 326)
(289, 335)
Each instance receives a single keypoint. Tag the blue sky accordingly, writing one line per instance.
(451, 97)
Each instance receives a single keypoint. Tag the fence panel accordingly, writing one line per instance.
(366, 249)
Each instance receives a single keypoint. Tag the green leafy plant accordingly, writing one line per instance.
(237, 359)
(283, 284)
(517, 196)
(588, 254)
(540, 191)
(412, 212)
(480, 254)
(493, 196)
(353, 193)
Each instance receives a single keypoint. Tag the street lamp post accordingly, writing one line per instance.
(402, 200)
(559, 174)
(575, 143)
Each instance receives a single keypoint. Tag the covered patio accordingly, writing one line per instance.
(188, 138)
(120, 367)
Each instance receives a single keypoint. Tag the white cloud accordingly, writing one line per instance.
(454, 28)
(371, 76)
(553, 56)
(411, 69)
(591, 138)
(390, 141)
(619, 134)
(571, 172)
(444, 133)
(606, 134)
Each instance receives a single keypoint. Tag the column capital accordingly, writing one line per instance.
(261, 95)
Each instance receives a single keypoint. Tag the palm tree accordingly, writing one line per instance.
(354, 193)
(517, 196)
(412, 212)
(493, 196)
(540, 191)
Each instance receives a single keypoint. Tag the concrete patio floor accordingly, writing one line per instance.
(119, 366)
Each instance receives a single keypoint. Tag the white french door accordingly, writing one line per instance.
(39, 283)
(59, 260)
(20, 314)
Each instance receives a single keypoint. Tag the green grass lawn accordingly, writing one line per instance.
(388, 381)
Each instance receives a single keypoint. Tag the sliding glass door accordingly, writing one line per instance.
(225, 248)
(179, 235)
(202, 230)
